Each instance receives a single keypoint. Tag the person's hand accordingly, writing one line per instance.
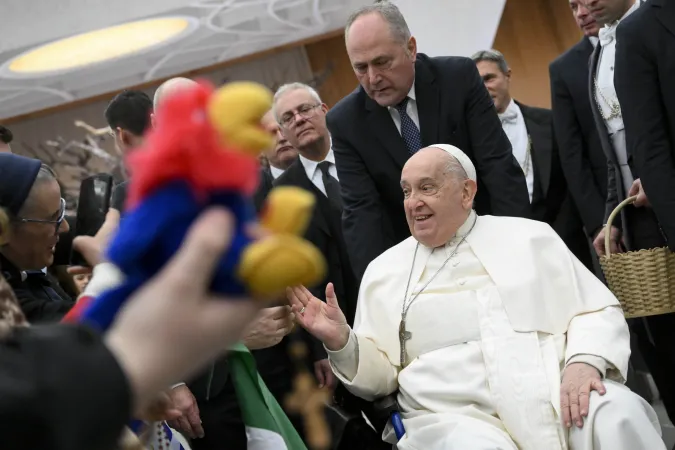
(269, 327)
(324, 374)
(188, 423)
(92, 248)
(578, 380)
(173, 326)
(159, 409)
(325, 321)
(614, 242)
(641, 200)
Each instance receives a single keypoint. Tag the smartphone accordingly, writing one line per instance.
(92, 207)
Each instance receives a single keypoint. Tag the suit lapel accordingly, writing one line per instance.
(428, 97)
(382, 126)
(540, 136)
(667, 14)
(298, 176)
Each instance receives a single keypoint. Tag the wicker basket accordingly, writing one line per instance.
(644, 280)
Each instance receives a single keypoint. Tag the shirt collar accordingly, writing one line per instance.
(411, 95)
(276, 172)
(594, 40)
(311, 166)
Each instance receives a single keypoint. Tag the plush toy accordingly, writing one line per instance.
(204, 152)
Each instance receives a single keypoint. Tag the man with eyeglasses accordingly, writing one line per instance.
(31, 196)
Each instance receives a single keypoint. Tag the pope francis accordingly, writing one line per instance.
(493, 333)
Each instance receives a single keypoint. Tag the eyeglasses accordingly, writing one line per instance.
(304, 111)
(57, 223)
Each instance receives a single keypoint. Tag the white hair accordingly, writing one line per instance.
(169, 86)
(293, 87)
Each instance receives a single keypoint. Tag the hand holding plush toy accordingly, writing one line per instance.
(202, 153)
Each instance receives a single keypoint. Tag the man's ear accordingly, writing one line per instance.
(469, 193)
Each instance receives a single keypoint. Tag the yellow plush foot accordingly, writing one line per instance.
(288, 210)
(268, 266)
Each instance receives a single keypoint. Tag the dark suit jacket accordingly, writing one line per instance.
(551, 201)
(325, 232)
(582, 158)
(454, 108)
(264, 187)
(640, 228)
(643, 77)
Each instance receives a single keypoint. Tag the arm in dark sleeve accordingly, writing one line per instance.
(575, 165)
(41, 309)
(362, 215)
(496, 166)
(638, 88)
(60, 389)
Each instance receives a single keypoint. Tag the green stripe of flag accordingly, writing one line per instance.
(267, 426)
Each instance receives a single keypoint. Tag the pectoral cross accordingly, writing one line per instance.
(403, 336)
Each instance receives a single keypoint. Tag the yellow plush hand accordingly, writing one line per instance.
(287, 210)
(235, 110)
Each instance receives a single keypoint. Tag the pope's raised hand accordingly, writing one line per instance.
(325, 321)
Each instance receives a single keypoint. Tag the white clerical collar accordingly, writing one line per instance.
(276, 172)
(466, 227)
(312, 166)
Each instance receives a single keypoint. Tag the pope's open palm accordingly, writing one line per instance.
(325, 321)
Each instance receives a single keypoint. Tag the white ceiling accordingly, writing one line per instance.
(226, 29)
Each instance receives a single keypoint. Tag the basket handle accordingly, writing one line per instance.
(610, 220)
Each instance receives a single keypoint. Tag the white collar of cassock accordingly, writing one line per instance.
(462, 231)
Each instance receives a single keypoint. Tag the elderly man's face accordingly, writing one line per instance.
(497, 83)
(607, 11)
(303, 118)
(436, 202)
(282, 154)
(31, 244)
(583, 17)
(385, 67)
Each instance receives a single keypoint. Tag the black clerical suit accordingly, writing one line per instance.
(582, 158)
(643, 78)
(551, 201)
(453, 108)
(60, 389)
(41, 298)
(640, 230)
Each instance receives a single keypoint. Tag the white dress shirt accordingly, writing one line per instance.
(314, 173)
(605, 94)
(513, 124)
(276, 173)
(411, 109)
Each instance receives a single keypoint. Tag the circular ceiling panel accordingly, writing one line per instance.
(95, 47)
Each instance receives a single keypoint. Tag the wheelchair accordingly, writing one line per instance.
(350, 429)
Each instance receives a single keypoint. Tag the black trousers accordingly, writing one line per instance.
(654, 335)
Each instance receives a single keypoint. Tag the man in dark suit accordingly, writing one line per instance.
(638, 227)
(582, 158)
(645, 64)
(302, 117)
(277, 158)
(407, 101)
(530, 131)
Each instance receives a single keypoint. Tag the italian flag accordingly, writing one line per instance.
(267, 426)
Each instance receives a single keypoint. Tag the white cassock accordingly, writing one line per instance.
(491, 335)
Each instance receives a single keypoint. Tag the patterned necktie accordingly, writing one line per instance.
(331, 185)
(409, 131)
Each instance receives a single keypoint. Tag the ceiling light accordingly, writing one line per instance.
(99, 46)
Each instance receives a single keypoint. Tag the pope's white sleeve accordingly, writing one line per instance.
(600, 334)
(345, 362)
